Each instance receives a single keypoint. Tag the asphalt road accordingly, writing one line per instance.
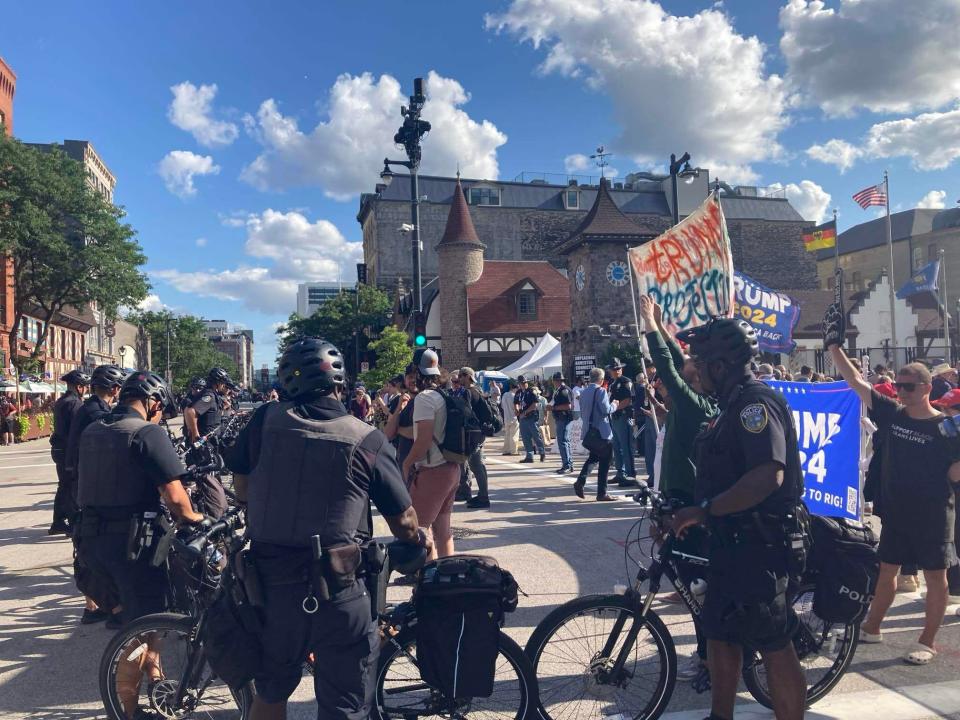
(557, 546)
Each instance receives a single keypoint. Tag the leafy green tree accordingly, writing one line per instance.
(191, 353)
(393, 354)
(68, 244)
(628, 352)
(342, 320)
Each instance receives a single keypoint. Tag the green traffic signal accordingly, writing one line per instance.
(420, 340)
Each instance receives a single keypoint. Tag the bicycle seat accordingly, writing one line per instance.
(406, 558)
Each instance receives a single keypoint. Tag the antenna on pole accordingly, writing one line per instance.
(601, 157)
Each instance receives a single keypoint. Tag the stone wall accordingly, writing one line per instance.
(772, 253)
(465, 264)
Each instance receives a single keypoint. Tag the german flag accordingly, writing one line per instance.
(822, 237)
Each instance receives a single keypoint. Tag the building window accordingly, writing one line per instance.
(917, 258)
(484, 196)
(856, 281)
(572, 200)
(527, 306)
(73, 346)
(933, 252)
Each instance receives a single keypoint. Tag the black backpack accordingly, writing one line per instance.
(488, 414)
(462, 433)
(844, 566)
(460, 603)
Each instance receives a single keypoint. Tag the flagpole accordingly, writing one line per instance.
(836, 242)
(643, 364)
(893, 302)
(945, 298)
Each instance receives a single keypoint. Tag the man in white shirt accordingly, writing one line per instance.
(511, 427)
(576, 391)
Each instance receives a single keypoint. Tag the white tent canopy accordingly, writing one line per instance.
(542, 359)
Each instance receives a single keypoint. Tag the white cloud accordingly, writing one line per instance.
(192, 110)
(179, 168)
(809, 199)
(344, 153)
(579, 164)
(731, 173)
(201, 242)
(882, 55)
(933, 200)
(690, 83)
(835, 152)
(152, 303)
(251, 285)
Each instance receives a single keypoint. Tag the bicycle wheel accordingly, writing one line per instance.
(158, 646)
(573, 651)
(401, 693)
(825, 651)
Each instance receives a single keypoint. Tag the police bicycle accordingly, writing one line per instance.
(155, 667)
(612, 654)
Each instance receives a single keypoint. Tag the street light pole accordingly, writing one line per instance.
(680, 168)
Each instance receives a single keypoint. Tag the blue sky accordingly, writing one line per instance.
(241, 133)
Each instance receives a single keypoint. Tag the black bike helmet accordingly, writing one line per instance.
(198, 383)
(108, 376)
(76, 377)
(218, 375)
(310, 364)
(145, 384)
(732, 340)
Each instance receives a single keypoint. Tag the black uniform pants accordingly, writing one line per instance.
(142, 588)
(64, 502)
(341, 635)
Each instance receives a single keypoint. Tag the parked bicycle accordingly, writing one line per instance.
(612, 654)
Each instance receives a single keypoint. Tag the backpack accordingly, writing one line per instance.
(462, 435)
(844, 566)
(460, 603)
(488, 414)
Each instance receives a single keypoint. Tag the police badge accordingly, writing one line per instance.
(754, 418)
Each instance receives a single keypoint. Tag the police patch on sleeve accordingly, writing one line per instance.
(207, 398)
(754, 418)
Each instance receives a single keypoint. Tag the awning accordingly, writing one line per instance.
(36, 388)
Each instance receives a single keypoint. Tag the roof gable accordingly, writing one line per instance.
(605, 221)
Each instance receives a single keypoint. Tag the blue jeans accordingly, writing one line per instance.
(530, 434)
(622, 446)
(563, 441)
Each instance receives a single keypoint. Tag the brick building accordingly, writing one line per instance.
(65, 345)
(237, 345)
(8, 88)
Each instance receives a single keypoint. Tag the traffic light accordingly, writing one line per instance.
(419, 329)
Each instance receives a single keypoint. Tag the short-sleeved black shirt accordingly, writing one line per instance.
(93, 409)
(63, 411)
(562, 397)
(151, 449)
(915, 463)
(526, 399)
(621, 389)
(209, 409)
(375, 461)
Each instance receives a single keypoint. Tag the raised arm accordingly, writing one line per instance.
(853, 377)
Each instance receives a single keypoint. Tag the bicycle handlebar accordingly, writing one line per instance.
(194, 546)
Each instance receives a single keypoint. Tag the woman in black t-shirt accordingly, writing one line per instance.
(399, 428)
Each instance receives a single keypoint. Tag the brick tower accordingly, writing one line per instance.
(461, 263)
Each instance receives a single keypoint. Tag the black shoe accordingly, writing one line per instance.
(618, 479)
(605, 498)
(113, 622)
(462, 496)
(58, 528)
(528, 459)
(628, 483)
(478, 502)
(543, 457)
(578, 487)
(90, 617)
(562, 471)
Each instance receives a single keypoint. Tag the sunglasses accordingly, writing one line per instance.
(908, 386)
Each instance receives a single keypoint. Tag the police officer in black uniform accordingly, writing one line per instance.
(64, 506)
(308, 471)
(748, 487)
(195, 389)
(621, 422)
(205, 414)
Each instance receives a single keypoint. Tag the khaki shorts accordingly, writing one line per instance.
(433, 490)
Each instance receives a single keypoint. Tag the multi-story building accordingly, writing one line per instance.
(99, 176)
(65, 345)
(235, 344)
(310, 296)
(8, 88)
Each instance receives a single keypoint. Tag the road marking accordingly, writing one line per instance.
(14, 467)
(912, 702)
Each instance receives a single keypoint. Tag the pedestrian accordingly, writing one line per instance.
(806, 374)
(919, 470)
(8, 419)
(433, 479)
(621, 422)
(545, 432)
(511, 426)
(944, 380)
(359, 405)
(64, 503)
(308, 472)
(528, 414)
(563, 416)
(471, 394)
(399, 429)
(595, 409)
(495, 392)
(575, 393)
(949, 404)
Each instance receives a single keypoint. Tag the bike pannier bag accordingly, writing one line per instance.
(460, 602)
(845, 567)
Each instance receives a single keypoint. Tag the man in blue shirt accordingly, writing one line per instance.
(595, 409)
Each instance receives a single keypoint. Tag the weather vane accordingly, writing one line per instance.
(601, 157)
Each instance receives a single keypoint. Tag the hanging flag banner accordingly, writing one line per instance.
(772, 314)
(688, 269)
(827, 419)
(821, 237)
(923, 280)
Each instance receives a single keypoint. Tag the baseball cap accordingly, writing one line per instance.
(429, 363)
(521, 378)
(887, 389)
(950, 400)
(468, 371)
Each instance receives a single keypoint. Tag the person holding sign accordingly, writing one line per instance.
(919, 471)
(748, 488)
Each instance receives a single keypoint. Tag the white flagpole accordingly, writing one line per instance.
(643, 364)
(945, 297)
(893, 301)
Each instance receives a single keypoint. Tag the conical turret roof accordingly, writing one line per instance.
(605, 221)
(459, 230)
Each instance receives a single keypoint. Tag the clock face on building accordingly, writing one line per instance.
(617, 273)
(580, 277)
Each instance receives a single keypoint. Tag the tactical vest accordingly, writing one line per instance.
(63, 412)
(303, 482)
(108, 476)
(210, 420)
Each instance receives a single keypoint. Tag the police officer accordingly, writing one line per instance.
(308, 471)
(194, 390)
(64, 409)
(204, 415)
(621, 422)
(749, 483)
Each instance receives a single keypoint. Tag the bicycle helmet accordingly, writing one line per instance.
(76, 377)
(218, 375)
(108, 376)
(198, 384)
(145, 384)
(310, 364)
(732, 340)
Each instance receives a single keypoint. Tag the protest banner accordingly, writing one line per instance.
(827, 419)
(688, 269)
(772, 314)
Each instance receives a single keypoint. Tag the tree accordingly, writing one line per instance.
(393, 355)
(191, 353)
(628, 352)
(340, 319)
(68, 244)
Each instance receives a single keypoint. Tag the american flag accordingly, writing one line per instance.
(873, 195)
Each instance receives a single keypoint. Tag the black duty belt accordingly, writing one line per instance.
(92, 527)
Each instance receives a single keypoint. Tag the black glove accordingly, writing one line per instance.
(835, 319)
(203, 523)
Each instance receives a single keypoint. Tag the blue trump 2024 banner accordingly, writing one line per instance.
(827, 419)
(772, 314)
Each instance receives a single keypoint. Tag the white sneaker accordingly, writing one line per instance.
(690, 668)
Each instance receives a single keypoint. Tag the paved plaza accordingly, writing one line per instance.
(556, 545)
